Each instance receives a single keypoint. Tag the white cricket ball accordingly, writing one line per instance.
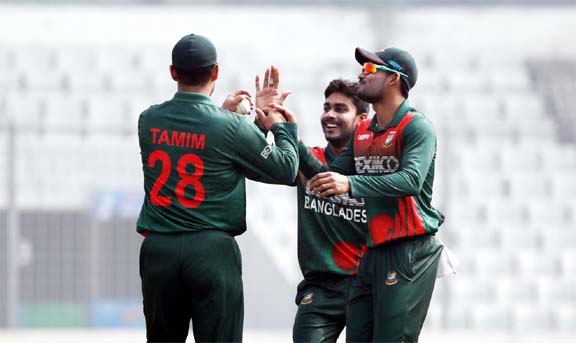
(243, 107)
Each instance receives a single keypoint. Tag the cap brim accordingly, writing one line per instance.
(363, 56)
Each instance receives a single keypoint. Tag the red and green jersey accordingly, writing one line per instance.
(393, 169)
(195, 157)
(331, 231)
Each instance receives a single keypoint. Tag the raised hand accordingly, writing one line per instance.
(269, 93)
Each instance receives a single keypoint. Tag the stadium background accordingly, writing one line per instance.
(497, 79)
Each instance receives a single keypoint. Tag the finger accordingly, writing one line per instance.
(259, 121)
(260, 116)
(283, 97)
(277, 107)
(266, 78)
(319, 180)
(275, 76)
(323, 190)
(242, 92)
(327, 193)
(257, 83)
(288, 115)
(247, 97)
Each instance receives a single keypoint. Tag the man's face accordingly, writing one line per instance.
(371, 86)
(338, 119)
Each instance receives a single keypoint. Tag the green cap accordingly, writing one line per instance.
(393, 58)
(193, 51)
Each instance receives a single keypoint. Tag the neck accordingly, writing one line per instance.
(336, 149)
(386, 108)
(206, 89)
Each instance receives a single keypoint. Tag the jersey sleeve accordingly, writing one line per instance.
(264, 162)
(344, 163)
(309, 164)
(419, 149)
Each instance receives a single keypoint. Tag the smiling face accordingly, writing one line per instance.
(339, 119)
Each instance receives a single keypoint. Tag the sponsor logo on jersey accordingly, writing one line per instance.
(376, 164)
(267, 151)
(390, 137)
(391, 279)
(307, 299)
(364, 136)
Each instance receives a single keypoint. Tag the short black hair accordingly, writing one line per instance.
(350, 89)
(194, 77)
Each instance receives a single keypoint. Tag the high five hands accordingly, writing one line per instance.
(269, 100)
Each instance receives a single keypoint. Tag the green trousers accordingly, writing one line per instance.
(192, 276)
(321, 314)
(390, 295)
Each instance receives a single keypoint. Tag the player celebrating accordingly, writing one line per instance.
(331, 233)
(195, 158)
(390, 162)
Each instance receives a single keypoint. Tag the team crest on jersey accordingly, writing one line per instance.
(307, 299)
(390, 138)
(391, 279)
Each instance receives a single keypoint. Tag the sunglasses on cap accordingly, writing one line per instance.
(371, 68)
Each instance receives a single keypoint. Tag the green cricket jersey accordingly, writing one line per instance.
(195, 158)
(331, 231)
(393, 169)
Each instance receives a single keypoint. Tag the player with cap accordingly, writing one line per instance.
(331, 233)
(195, 157)
(390, 162)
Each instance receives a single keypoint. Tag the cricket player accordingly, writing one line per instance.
(390, 163)
(331, 232)
(195, 158)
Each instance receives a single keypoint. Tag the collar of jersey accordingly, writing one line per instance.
(192, 97)
(329, 154)
(400, 113)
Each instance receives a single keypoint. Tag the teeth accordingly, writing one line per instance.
(331, 126)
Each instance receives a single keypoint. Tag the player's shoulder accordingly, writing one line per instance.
(419, 117)
(152, 109)
(418, 122)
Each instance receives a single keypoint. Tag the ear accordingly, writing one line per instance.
(360, 117)
(173, 73)
(215, 71)
(396, 79)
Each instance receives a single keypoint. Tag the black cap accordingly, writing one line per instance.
(392, 58)
(193, 51)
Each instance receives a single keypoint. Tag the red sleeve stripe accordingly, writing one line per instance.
(407, 118)
(419, 225)
(410, 218)
(401, 227)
